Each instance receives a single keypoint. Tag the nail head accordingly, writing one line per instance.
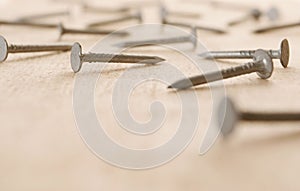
(3, 48)
(76, 62)
(284, 53)
(61, 29)
(267, 69)
(194, 37)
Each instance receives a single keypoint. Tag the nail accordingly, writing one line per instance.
(253, 14)
(228, 120)
(262, 65)
(283, 54)
(276, 27)
(43, 15)
(229, 5)
(5, 48)
(136, 16)
(273, 14)
(164, 20)
(63, 30)
(181, 39)
(90, 8)
(28, 24)
(167, 12)
(78, 58)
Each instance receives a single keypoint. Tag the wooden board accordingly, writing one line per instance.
(41, 147)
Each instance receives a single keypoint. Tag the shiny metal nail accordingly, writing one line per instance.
(97, 9)
(227, 121)
(28, 24)
(63, 30)
(43, 15)
(78, 58)
(283, 54)
(167, 12)
(5, 48)
(136, 16)
(164, 20)
(262, 65)
(277, 27)
(253, 14)
(180, 39)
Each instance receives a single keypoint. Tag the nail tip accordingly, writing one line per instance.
(178, 86)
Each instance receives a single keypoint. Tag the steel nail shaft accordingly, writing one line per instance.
(78, 58)
(276, 27)
(262, 65)
(283, 54)
(137, 16)
(28, 24)
(228, 120)
(180, 39)
(63, 30)
(164, 20)
(5, 48)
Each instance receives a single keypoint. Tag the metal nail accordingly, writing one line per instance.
(253, 14)
(276, 27)
(262, 65)
(5, 48)
(63, 30)
(43, 15)
(136, 16)
(164, 20)
(283, 54)
(181, 39)
(273, 14)
(78, 58)
(28, 24)
(228, 120)
(178, 13)
(97, 9)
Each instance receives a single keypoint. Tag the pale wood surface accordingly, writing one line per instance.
(41, 148)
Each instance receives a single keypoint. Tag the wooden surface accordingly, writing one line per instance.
(41, 148)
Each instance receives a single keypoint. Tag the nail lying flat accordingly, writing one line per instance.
(253, 14)
(78, 58)
(5, 48)
(283, 54)
(28, 24)
(43, 15)
(228, 120)
(92, 8)
(276, 27)
(164, 20)
(262, 65)
(167, 12)
(63, 30)
(198, 27)
(137, 16)
(229, 5)
(272, 14)
(180, 39)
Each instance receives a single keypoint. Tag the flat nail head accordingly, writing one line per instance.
(227, 116)
(76, 53)
(139, 16)
(163, 13)
(194, 36)
(267, 67)
(256, 13)
(3, 49)
(61, 29)
(284, 53)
